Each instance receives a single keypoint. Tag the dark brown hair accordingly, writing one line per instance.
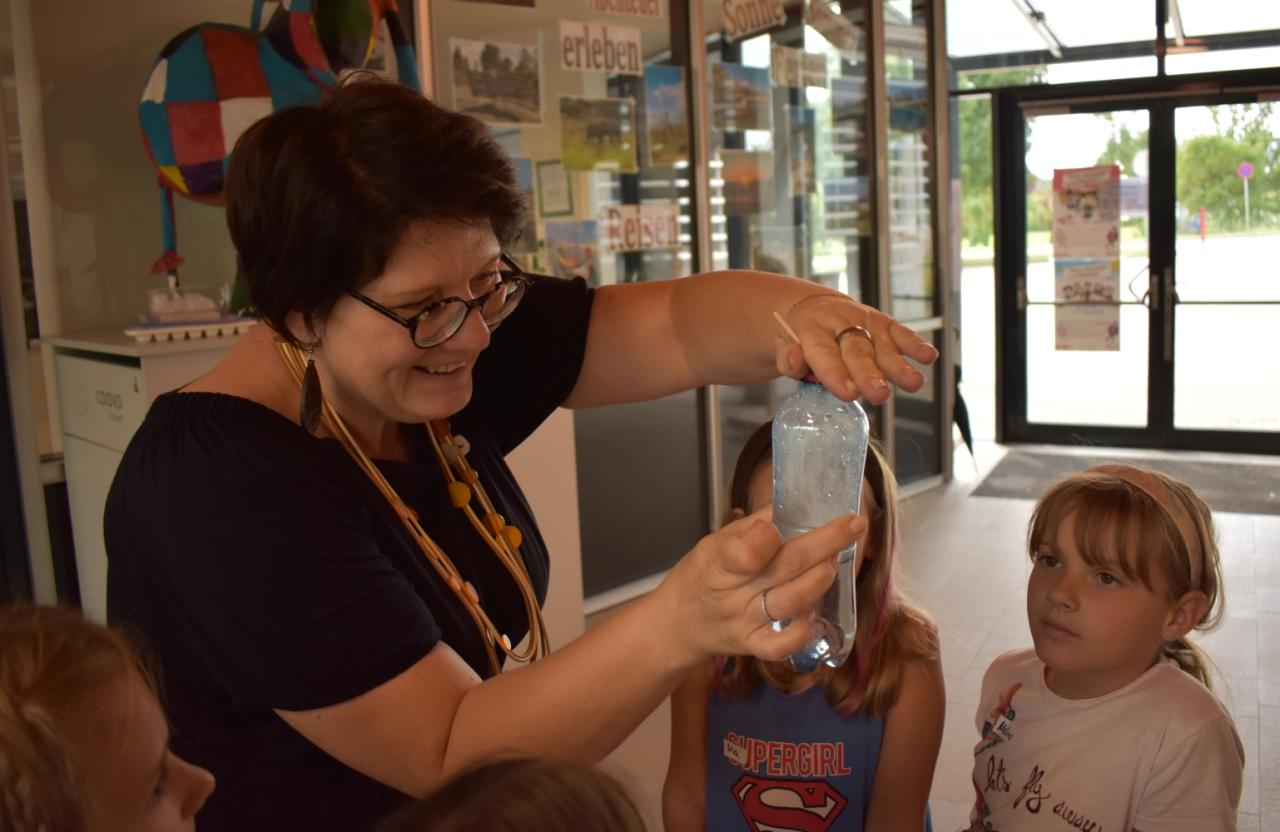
(522, 795)
(891, 631)
(1120, 526)
(318, 196)
(55, 670)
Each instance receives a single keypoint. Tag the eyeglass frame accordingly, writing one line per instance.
(411, 324)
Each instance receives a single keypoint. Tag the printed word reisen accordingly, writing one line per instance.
(641, 227)
(588, 48)
(786, 759)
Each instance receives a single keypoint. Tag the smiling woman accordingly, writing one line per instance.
(334, 607)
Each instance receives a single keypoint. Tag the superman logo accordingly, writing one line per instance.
(788, 805)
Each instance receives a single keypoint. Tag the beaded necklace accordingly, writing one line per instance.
(464, 491)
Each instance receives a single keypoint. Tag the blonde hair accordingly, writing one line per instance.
(891, 632)
(522, 794)
(1144, 537)
(54, 669)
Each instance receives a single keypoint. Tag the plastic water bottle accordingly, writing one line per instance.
(819, 450)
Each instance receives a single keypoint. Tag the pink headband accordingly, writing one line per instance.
(1172, 506)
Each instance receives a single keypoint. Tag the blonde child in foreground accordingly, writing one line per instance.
(847, 748)
(1109, 724)
(84, 746)
(522, 794)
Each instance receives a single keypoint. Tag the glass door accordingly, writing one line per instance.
(1223, 287)
(1085, 286)
(593, 104)
(1141, 273)
(790, 170)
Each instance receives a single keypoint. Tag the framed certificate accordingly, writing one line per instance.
(554, 194)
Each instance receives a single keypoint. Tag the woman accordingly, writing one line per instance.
(331, 615)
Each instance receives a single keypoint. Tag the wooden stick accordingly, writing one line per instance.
(786, 327)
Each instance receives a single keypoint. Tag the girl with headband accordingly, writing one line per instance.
(1109, 723)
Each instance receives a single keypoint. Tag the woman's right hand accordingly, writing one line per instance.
(712, 597)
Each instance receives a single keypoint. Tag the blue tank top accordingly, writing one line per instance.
(779, 761)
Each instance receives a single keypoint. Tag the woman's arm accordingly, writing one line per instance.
(648, 340)
(584, 699)
(684, 794)
(909, 751)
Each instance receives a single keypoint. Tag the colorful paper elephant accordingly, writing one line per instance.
(214, 80)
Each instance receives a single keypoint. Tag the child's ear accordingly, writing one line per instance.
(1185, 615)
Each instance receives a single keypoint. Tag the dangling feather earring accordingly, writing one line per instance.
(312, 402)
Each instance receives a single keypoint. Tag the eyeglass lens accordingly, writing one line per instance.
(438, 325)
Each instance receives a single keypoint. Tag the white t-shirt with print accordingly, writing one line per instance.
(1160, 753)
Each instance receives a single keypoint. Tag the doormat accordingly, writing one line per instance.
(1236, 487)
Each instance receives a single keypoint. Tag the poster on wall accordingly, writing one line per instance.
(1087, 309)
(528, 240)
(1086, 212)
(554, 194)
(839, 31)
(587, 47)
(645, 227)
(801, 162)
(666, 115)
(741, 98)
(496, 82)
(527, 4)
(747, 17)
(571, 249)
(748, 181)
(788, 65)
(598, 133)
(651, 9)
(813, 69)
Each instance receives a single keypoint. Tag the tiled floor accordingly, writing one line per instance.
(963, 560)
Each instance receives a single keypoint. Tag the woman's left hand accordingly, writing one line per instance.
(850, 348)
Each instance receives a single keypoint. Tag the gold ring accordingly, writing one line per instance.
(860, 330)
(764, 605)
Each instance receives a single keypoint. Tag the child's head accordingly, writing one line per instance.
(522, 795)
(84, 744)
(1125, 565)
(868, 681)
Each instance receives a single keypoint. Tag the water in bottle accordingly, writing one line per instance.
(819, 450)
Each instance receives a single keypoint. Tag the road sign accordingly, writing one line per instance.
(1244, 170)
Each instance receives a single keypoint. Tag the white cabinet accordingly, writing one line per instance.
(106, 382)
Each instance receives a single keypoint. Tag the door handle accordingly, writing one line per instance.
(1169, 299)
(1022, 293)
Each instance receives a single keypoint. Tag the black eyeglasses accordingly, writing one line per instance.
(498, 294)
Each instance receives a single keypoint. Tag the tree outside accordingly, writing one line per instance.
(1208, 172)
(977, 218)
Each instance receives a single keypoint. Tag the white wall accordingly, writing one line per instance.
(545, 468)
(103, 204)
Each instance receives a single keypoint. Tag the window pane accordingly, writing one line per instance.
(1215, 386)
(1087, 388)
(1208, 17)
(988, 27)
(1089, 22)
(1221, 60)
(911, 266)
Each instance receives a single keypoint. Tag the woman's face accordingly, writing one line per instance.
(136, 783)
(370, 369)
